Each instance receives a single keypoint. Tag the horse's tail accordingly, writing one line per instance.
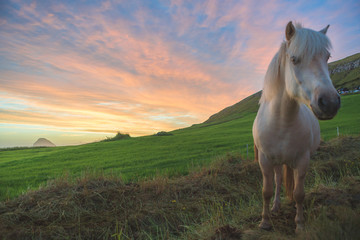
(289, 182)
(256, 153)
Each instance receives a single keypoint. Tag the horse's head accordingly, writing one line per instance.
(306, 70)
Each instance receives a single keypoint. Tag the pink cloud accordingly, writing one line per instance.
(82, 68)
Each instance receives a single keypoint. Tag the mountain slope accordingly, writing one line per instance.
(343, 73)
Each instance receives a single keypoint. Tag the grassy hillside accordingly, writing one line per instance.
(222, 201)
(135, 158)
(346, 79)
(129, 158)
(238, 110)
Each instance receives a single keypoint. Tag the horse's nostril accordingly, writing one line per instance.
(328, 105)
(322, 102)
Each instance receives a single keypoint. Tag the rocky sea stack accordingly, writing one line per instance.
(43, 142)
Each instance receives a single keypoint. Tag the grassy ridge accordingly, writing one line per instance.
(136, 158)
(238, 110)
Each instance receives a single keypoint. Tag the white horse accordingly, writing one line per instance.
(285, 130)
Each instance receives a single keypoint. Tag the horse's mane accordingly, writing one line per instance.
(305, 45)
(273, 74)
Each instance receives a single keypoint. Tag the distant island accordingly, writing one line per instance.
(43, 142)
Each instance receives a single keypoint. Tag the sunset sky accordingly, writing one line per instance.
(78, 71)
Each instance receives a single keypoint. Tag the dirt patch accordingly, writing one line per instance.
(227, 232)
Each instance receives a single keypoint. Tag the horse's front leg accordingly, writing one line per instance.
(267, 170)
(278, 179)
(299, 193)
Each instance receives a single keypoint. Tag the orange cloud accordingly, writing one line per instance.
(133, 67)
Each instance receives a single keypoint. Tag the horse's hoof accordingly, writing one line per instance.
(265, 225)
(299, 228)
(275, 208)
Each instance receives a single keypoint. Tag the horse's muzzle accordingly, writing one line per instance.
(326, 106)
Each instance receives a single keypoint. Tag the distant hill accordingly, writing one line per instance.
(43, 142)
(343, 73)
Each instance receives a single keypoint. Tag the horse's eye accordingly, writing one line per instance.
(294, 60)
(328, 57)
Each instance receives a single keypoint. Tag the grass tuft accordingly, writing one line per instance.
(118, 136)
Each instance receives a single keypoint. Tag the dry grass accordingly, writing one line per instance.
(222, 201)
(102, 207)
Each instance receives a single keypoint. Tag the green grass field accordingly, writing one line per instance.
(348, 119)
(146, 157)
(219, 201)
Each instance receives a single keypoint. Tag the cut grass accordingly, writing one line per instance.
(222, 201)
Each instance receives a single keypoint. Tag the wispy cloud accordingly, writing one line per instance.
(143, 66)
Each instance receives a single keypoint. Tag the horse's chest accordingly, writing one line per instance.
(285, 146)
(280, 151)
(283, 141)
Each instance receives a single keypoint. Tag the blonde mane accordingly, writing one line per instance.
(274, 76)
(305, 45)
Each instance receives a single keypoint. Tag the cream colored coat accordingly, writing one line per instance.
(297, 90)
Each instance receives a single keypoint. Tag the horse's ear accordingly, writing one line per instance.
(325, 29)
(289, 31)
